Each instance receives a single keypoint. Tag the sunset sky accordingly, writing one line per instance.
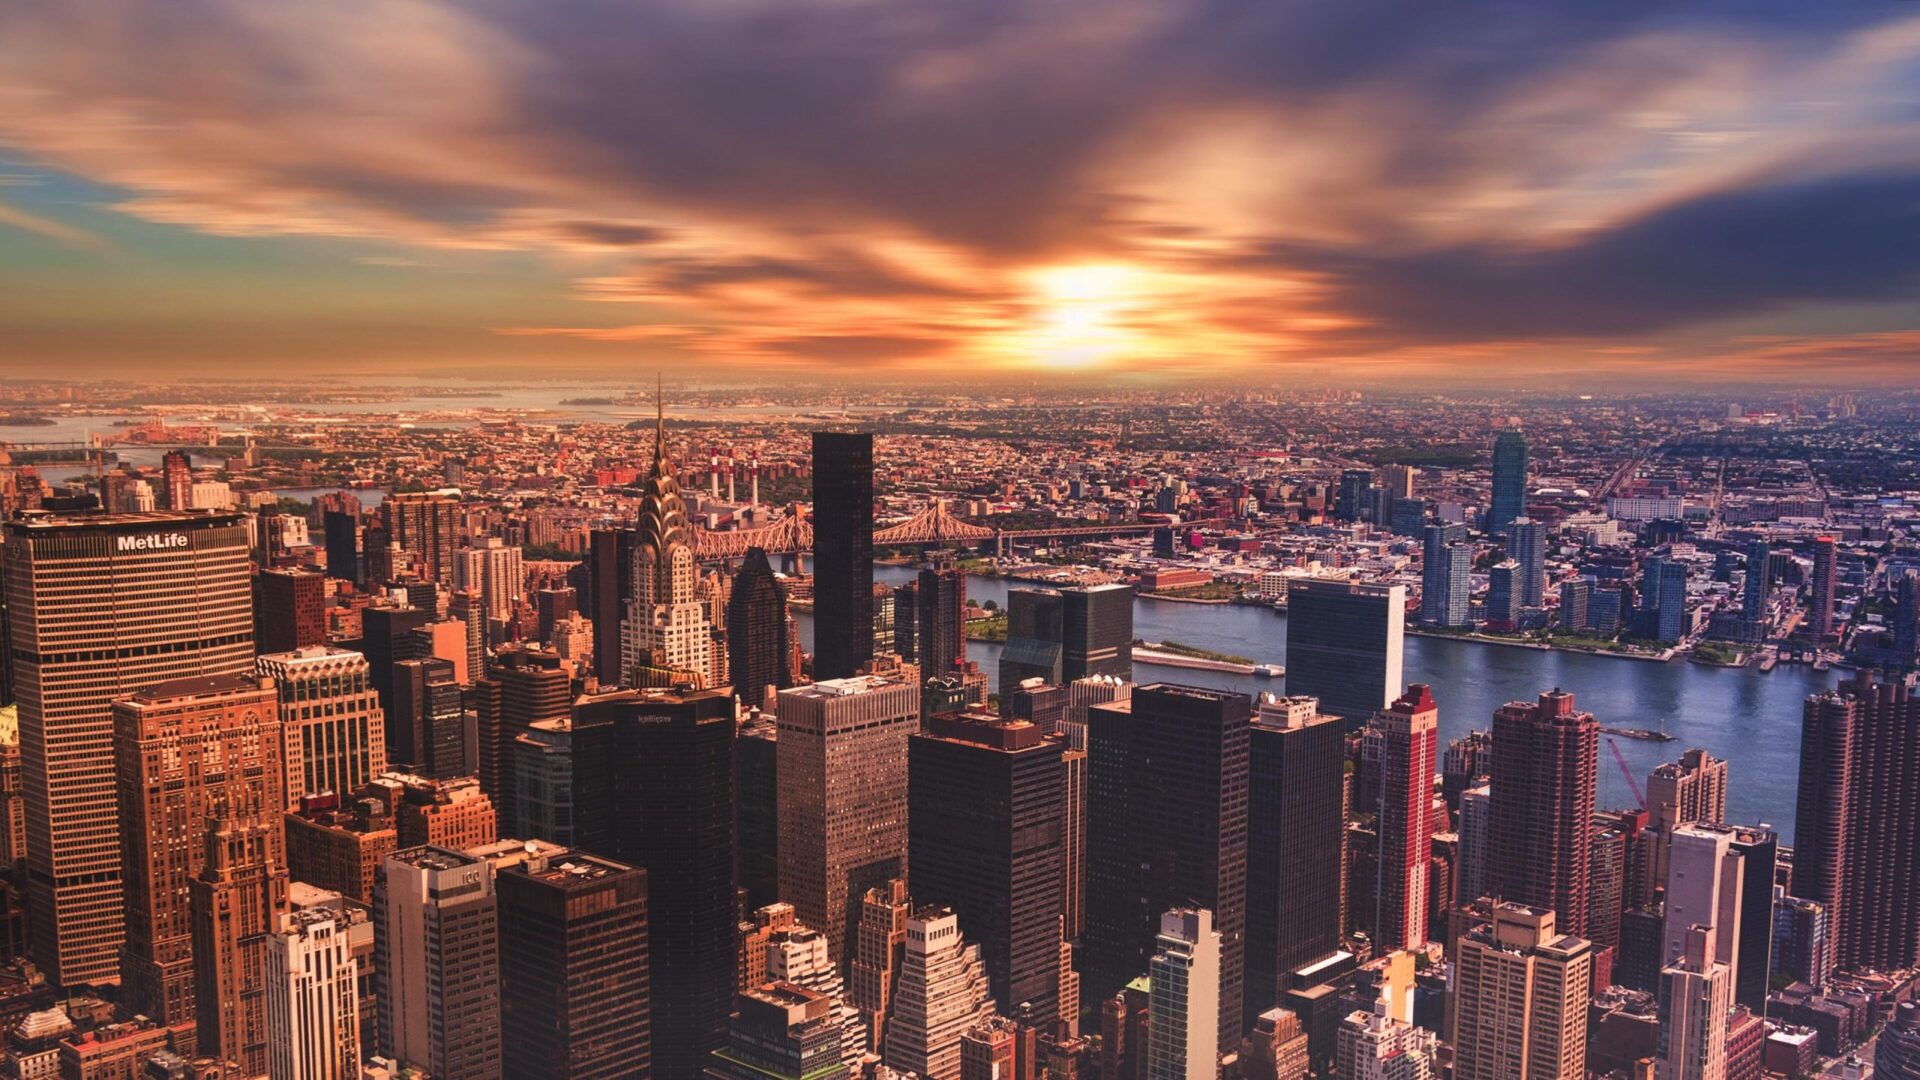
(1647, 189)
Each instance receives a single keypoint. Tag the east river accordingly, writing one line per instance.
(1750, 718)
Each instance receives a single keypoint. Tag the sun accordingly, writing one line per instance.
(1079, 314)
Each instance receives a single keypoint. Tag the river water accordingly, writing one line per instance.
(1747, 717)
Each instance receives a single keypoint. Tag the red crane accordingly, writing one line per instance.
(1632, 784)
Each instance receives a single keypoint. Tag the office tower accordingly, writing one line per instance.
(669, 641)
(906, 597)
(1096, 628)
(1167, 775)
(1637, 961)
(289, 610)
(1897, 1054)
(941, 615)
(879, 949)
(941, 992)
(843, 796)
(1527, 544)
(1686, 791)
(176, 480)
(1545, 770)
(1073, 842)
(1043, 705)
(1035, 637)
(574, 968)
(1445, 578)
(758, 652)
(996, 1049)
(1693, 1011)
(1084, 694)
(426, 729)
(387, 637)
(1409, 731)
(756, 814)
(330, 716)
(1576, 602)
(1398, 480)
(1705, 880)
(237, 900)
(1344, 644)
(1296, 829)
(1606, 884)
(985, 799)
(312, 998)
(1758, 850)
(672, 813)
(1825, 577)
(1663, 599)
(448, 639)
(553, 606)
(798, 955)
(378, 554)
(1520, 992)
(427, 525)
(522, 688)
(885, 621)
(610, 573)
(464, 607)
(340, 532)
(186, 753)
(1352, 497)
(1275, 1047)
(1373, 1045)
(842, 554)
(340, 849)
(1857, 823)
(178, 587)
(497, 571)
(1183, 1004)
(437, 955)
(1509, 498)
(1802, 949)
(1410, 517)
(779, 1031)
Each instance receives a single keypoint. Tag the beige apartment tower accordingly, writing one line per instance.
(1520, 991)
(102, 605)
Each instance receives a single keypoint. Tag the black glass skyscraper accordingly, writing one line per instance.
(986, 801)
(1097, 632)
(610, 572)
(842, 552)
(1296, 826)
(1509, 499)
(1034, 635)
(758, 652)
(941, 599)
(1166, 828)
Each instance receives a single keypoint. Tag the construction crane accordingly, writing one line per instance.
(1626, 773)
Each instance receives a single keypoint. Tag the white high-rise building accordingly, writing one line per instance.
(313, 1002)
(1705, 876)
(1183, 1002)
(1476, 809)
(497, 570)
(1378, 1046)
(942, 991)
(1693, 1012)
(800, 956)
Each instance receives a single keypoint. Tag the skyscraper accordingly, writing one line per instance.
(672, 813)
(1096, 631)
(797, 954)
(1035, 637)
(237, 900)
(879, 951)
(427, 525)
(779, 1031)
(437, 955)
(758, 652)
(186, 753)
(1352, 499)
(986, 802)
(1344, 644)
(1685, 791)
(312, 999)
(1705, 883)
(1857, 826)
(1509, 498)
(1167, 826)
(574, 968)
(842, 755)
(941, 599)
(756, 796)
(1183, 1004)
(610, 576)
(1759, 581)
(1693, 1010)
(1802, 950)
(497, 571)
(842, 553)
(1375, 1045)
(62, 574)
(1404, 818)
(1527, 543)
(1445, 578)
(289, 610)
(668, 639)
(1296, 827)
(427, 728)
(942, 992)
(1520, 992)
(1826, 574)
(1545, 773)
(330, 716)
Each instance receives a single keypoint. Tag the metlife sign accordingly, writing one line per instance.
(151, 542)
